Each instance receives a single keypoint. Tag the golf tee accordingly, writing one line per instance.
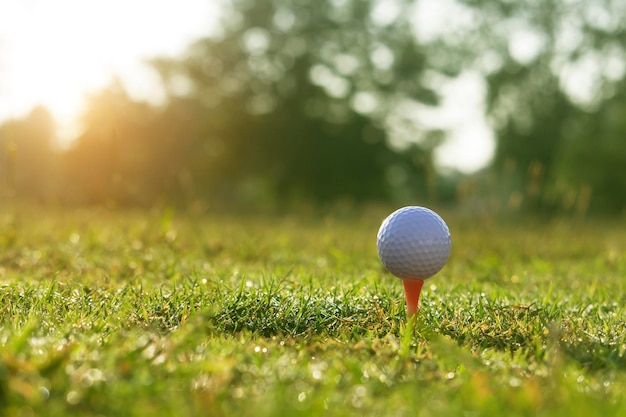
(412, 290)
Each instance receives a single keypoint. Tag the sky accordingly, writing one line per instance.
(54, 52)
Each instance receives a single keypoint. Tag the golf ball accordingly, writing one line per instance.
(413, 243)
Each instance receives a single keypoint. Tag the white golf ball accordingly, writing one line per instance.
(414, 243)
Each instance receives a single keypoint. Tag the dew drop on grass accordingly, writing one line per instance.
(92, 376)
(317, 370)
(74, 238)
(150, 351)
(357, 398)
(73, 397)
(238, 392)
(515, 382)
(171, 235)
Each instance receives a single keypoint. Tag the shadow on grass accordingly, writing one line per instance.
(531, 329)
(269, 313)
(475, 325)
(595, 355)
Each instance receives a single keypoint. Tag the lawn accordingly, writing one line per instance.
(131, 313)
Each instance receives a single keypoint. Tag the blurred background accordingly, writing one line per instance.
(491, 106)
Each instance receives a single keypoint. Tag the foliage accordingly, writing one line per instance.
(595, 155)
(136, 313)
(296, 97)
(27, 160)
(321, 102)
(555, 74)
(289, 103)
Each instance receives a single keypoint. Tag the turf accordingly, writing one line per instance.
(126, 313)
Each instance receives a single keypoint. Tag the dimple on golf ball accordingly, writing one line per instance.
(414, 243)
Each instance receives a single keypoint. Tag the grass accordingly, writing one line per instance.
(158, 313)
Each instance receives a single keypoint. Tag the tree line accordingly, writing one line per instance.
(302, 101)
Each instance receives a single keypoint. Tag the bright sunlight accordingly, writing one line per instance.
(55, 52)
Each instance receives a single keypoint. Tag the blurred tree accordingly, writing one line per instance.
(118, 159)
(28, 157)
(553, 69)
(592, 174)
(294, 98)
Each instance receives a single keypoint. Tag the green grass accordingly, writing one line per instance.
(159, 313)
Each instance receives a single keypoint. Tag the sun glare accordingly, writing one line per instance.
(54, 52)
